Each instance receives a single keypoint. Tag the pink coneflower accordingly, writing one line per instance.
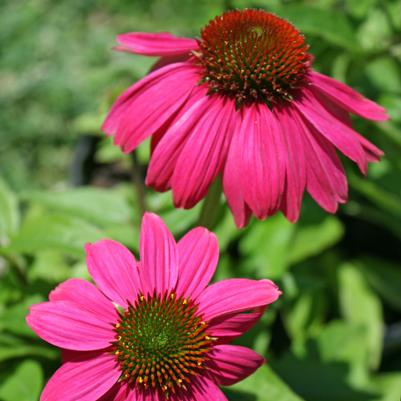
(151, 330)
(242, 101)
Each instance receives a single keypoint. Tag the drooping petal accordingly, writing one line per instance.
(264, 161)
(231, 363)
(146, 106)
(236, 295)
(155, 44)
(325, 177)
(295, 170)
(114, 269)
(159, 260)
(348, 98)
(86, 296)
(169, 146)
(228, 327)
(198, 253)
(339, 134)
(87, 378)
(203, 155)
(66, 325)
(372, 152)
(233, 174)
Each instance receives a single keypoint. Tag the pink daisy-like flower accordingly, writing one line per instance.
(242, 102)
(151, 330)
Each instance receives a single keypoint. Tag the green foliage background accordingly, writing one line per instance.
(335, 335)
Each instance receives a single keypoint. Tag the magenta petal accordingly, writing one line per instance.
(334, 130)
(348, 98)
(169, 147)
(203, 389)
(85, 379)
(86, 296)
(159, 259)
(114, 269)
(236, 295)
(295, 171)
(325, 178)
(204, 153)
(141, 110)
(228, 327)
(263, 161)
(231, 363)
(233, 174)
(66, 325)
(198, 253)
(155, 44)
(121, 392)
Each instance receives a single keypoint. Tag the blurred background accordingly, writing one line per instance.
(335, 335)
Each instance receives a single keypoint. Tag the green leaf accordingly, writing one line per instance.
(389, 385)
(98, 206)
(312, 239)
(374, 33)
(340, 341)
(24, 384)
(263, 385)
(9, 212)
(310, 20)
(266, 246)
(360, 306)
(12, 318)
(54, 232)
(384, 73)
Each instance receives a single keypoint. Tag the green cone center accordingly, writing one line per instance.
(161, 343)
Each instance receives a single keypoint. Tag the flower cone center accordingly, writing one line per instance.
(253, 56)
(161, 343)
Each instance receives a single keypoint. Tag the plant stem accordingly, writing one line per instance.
(211, 206)
(138, 183)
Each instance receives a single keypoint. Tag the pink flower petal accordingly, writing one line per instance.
(228, 327)
(203, 155)
(86, 296)
(236, 295)
(263, 161)
(155, 44)
(159, 259)
(168, 149)
(325, 178)
(333, 129)
(372, 153)
(231, 363)
(115, 270)
(66, 325)
(233, 172)
(198, 253)
(141, 110)
(85, 379)
(295, 171)
(347, 98)
(121, 392)
(203, 390)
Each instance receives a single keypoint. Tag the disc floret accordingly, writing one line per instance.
(161, 342)
(253, 55)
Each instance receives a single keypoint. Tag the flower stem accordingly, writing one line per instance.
(210, 211)
(138, 183)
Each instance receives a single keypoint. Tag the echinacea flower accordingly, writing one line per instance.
(151, 330)
(242, 102)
